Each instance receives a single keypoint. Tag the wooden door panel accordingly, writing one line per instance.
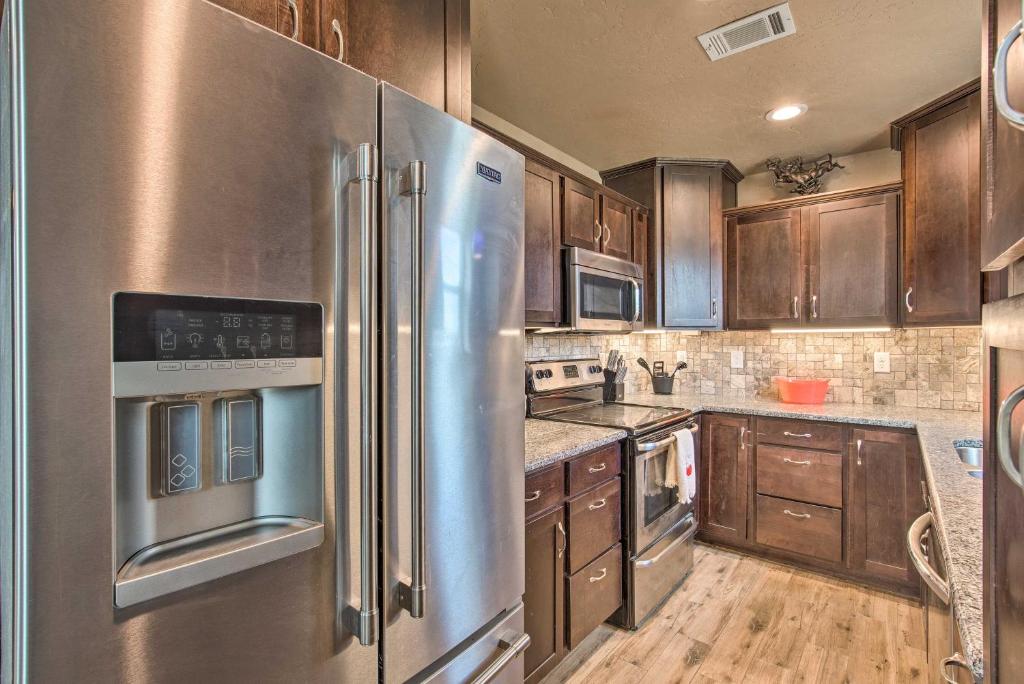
(641, 234)
(274, 14)
(544, 600)
(852, 258)
(941, 237)
(765, 272)
(580, 216)
(617, 223)
(724, 477)
(543, 274)
(692, 246)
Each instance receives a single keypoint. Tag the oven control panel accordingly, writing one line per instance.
(556, 374)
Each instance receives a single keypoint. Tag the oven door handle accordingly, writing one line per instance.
(644, 447)
(685, 536)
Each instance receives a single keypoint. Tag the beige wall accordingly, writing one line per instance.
(530, 140)
(864, 169)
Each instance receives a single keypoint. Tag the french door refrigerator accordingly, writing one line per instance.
(262, 338)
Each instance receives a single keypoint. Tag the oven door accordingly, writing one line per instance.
(602, 301)
(656, 506)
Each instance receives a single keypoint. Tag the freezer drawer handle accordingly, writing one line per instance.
(1000, 84)
(513, 646)
(914, 535)
(1003, 424)
(685, 536)
(361, 167)
(412, 596)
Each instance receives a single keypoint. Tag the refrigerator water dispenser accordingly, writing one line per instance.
(218, 438)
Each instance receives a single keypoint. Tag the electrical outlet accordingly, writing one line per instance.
(681, 356)
(736, 360)
(882, 362)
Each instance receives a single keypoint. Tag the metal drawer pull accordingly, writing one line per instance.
(906, 299)
(599, 504)
(917, 530)
(604, 573)
(565, 540)
(533, 496)
(796, 515)
(597, 469)
(513, 646)
(805, 435)
(1003, 448)
(814, 306)
(1000, 85)
(788, 460)
(796, 307)
(957, 660)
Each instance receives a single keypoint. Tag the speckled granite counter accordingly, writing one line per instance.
(955, 496)
(548, 441)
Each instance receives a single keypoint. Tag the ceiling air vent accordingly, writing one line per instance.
(743, 34)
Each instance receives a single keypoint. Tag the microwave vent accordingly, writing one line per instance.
(748, 32)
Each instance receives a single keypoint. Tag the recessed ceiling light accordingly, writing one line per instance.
(786, 112)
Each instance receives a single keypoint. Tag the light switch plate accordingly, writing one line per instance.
(736, 360)
(882, 362)
(681, 356)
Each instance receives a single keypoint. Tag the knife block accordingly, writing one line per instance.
(614, 391)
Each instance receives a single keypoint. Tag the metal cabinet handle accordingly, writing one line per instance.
(607, 235)
(796, 515)
(802, 463)
(743, 434)
(814, 306)
(294, 9)
(1000, 79)
(906, 300)
(412, 596)
(796, 307)
(599, 233)
(714, 308)
(604, 573)
(1003, 425)
(513, 646)
(928, 574)
(565, 540)
(956, 660)
(599, 504)
(803, 435)
(361, 167)
(533, 496)
(597, 469)
(684, 537)
(859, 443)
(336, 29)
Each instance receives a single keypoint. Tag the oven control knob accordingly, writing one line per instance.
(548, 373)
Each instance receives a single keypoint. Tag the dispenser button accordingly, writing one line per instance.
(266, 363)
(248, 363)
(241, 439)
(286, 363)
(180, 468)
(197, 365)
(168, 366)
(220, 365)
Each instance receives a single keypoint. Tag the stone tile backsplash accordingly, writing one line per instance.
(929, 367)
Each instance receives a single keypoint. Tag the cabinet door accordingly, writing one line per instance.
(544, 600)
(851, 251)
(941, 279)
(885, 498)
(581, 226)
(543, 275)
(765, 277)
(617, 228)
(641, 233)
(724, 477)
(692, 247)
(938, 619)
(279, 15)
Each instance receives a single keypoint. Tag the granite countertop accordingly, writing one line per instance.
(549, 441)
(955, 496)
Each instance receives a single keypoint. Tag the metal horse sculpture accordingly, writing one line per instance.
(807, 180)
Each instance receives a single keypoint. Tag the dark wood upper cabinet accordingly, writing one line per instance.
(543, 274)
(725, 478)
(581, 214)
(942, 214)
(851, 255)
(544, 600)
(764, 272)
(685, 242)
(885, 497)
(279, 15)
(617, 228)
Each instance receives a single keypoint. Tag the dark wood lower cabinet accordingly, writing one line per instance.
(545, 593)
(595, 592)
(724, 477)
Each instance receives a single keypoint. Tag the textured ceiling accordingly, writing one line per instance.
(614, 81)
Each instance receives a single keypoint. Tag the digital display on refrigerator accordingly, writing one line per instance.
(183, 334)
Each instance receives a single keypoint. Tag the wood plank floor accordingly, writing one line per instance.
(742, 619)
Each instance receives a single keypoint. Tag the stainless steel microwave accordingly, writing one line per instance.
(605, 294)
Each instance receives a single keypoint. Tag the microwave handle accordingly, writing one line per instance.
(636, 301)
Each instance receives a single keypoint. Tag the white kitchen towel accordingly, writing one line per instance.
(682, 461)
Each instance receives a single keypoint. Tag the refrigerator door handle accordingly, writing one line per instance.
(412, 596)
(1003, 425)
(362, 167)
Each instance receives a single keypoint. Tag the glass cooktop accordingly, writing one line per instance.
(630, 417)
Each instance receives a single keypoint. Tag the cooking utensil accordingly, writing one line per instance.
(613, 358)
(643, 364)
(679, 366)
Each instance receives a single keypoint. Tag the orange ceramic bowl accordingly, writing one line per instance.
(800, 391)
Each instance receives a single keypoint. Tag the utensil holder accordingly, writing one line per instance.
(663, 384)
(614, 391)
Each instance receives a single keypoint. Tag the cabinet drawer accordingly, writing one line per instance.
(544, 489)
(594, 523)
(595, 592)
(590, 469)
(799, 433)
(802, 528)
(812, 476)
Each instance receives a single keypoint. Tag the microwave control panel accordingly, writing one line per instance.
(177, 344)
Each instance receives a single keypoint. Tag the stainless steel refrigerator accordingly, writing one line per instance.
(262, 337)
